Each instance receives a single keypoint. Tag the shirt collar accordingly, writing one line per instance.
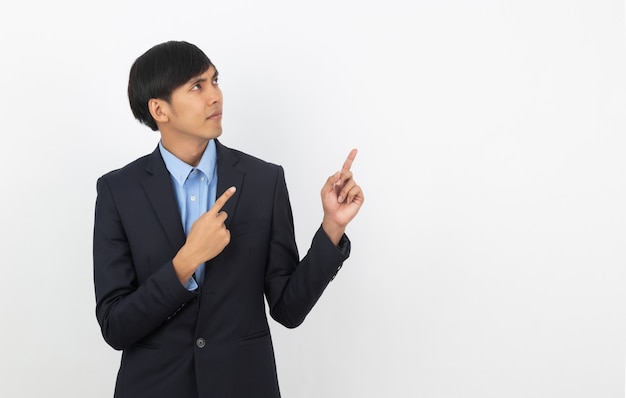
(181, 170)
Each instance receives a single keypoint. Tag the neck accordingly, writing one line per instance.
(188, 152)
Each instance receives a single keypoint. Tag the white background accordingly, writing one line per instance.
(488, 260)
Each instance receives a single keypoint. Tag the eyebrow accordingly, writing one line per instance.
(193, 82)
(197, 80)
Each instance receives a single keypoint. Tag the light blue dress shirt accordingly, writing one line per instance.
(195, 189)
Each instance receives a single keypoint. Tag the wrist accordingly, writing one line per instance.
(333, 230)
(183, 265)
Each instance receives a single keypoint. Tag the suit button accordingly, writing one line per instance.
(200, 343)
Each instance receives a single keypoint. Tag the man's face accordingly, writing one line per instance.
(195, 110)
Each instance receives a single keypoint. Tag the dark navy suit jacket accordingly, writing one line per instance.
(213, 342)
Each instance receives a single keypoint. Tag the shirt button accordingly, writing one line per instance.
(200, 343)
(193, 198)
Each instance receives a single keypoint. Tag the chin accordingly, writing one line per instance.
(214, 133)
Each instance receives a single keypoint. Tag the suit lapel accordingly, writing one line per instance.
(229, 174)
(158, 187)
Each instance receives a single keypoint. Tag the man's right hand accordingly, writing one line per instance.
(206, 239)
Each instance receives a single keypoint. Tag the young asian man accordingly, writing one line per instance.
(190, 239)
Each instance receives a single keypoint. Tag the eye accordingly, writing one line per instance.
(215, 81)
(196, 87)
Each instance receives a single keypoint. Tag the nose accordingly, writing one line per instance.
(213, 94)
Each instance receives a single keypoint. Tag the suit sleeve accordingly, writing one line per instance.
(293, 287)
(126, 310)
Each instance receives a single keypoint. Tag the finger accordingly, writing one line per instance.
(355, 193)
(348, 163)
(344, 177)
(222, 215)
(221, 201)
(330, 183)
(343, 194)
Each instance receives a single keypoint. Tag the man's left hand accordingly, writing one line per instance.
(342, 199)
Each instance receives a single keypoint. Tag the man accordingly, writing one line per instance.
(189, 239)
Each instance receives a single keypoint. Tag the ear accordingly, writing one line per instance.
(158, 109)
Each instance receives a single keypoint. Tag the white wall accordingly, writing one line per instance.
(488, 260)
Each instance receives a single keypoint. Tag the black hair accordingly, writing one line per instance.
(161, 70)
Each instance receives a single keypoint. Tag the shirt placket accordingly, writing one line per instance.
(192, 199)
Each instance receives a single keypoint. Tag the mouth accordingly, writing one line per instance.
(215, 116)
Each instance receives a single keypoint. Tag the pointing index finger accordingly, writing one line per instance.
(348, 163)
(221, 201)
